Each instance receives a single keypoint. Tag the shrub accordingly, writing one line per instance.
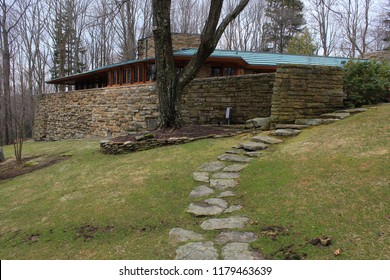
(366, 82)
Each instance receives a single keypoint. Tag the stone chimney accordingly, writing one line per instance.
(146, 46)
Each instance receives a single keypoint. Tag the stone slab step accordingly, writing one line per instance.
(226, 194)
(234, 158)
(235, 236)
(224, 223)
(286, 132)
(201, 191)
(212, 166)
(353, 110)
(201, 176)
(339, 116)
(226, 175)
(208, 207)
(266, 139)
(253, 154)
(239, 251)
(223, 184)
(179, 235)
(197, 251)
(315, 122)
(290, 125)
(253, 146)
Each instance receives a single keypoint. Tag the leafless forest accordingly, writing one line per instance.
(44, 39)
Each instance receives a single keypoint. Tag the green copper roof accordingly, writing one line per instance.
(251, 58)
(272, 59)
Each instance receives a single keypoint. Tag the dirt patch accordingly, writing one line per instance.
(274, 231)
(189, 131)
(289, 253)
(10, 169)
(32, 238)
(89, 232)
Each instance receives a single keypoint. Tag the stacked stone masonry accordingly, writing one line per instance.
(146, 47)
(294, 92)
(302, 91)
(96, 113)
(206, 100)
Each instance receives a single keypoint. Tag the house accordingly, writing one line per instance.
(220, 63)
(120, 98)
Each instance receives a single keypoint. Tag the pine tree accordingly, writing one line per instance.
(69, 53)
(284, 20)
(301, 43)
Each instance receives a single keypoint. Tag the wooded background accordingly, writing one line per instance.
(45, 39)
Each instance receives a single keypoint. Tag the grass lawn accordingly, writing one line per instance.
(96, 206)
(332, 180)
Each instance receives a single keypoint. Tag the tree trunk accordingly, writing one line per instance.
(169, 103)
(1, 154)
(170, 83)
(6, 77)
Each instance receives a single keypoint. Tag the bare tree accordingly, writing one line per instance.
(324, 23)
(170, 84)
(183, 19)
(356, 18)
(146, 15)
(246, 32)
(100, 35)
(11, 15)
(125, 27)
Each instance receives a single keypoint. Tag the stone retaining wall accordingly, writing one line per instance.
(115, 111)
(302, 91)
(294, 92)
(95, 113)
(205, 100)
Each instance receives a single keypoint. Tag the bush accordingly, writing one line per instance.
(366, 83)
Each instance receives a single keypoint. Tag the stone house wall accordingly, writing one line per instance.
(293, 92)
(302, 91)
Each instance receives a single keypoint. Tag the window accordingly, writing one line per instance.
(128, 76)
(135, 75)
(124, 76)
(141, 73)
(229, 71)
(216, 71)
(151, 72)
(115, 78)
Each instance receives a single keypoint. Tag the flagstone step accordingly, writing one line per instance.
(266, 139)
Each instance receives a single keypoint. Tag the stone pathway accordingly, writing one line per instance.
(226, 237)
(219, 180)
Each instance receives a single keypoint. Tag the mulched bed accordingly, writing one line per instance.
(10, 169)
(189, 131)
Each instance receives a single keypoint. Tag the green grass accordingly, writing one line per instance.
(332, 180)
(139, 197)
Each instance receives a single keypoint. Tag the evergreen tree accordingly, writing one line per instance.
(69, 52)
(301, 43)
(284, 20)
